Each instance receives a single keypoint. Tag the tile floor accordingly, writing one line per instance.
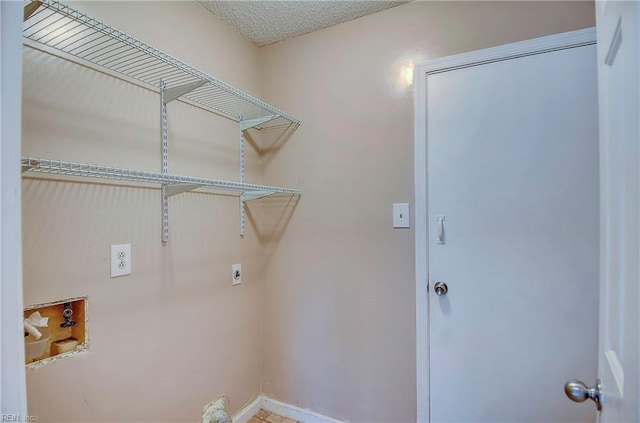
(264, 416)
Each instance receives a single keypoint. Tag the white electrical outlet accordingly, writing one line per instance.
(120, 260)
(236, 275)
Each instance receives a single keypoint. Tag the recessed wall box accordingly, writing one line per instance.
(55, 330)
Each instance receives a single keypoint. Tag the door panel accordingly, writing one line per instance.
(513, 168)
(618, 54)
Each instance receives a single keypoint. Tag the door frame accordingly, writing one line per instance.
(13, 396)
(531, 47)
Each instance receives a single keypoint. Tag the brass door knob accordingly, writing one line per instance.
(578, 391)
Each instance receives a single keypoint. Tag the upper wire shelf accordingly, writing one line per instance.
(50, 25)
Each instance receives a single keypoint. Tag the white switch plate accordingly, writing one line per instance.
(400, 215)
(236, 275)
(120, 260)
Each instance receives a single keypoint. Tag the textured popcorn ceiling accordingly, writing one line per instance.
(270, 21)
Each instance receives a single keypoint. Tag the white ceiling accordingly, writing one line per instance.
(269, 21)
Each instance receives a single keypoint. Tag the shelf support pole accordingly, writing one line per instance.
(243, 125)
(165, 161)
(241, 163)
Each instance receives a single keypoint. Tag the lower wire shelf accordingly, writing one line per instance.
(175, 183)
(170, 184)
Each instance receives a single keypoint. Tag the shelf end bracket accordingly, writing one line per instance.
(30, 9)
(248, 196)
(173, 189)
(27, 164)
(254, 195)
(250, 123)
(171, 94)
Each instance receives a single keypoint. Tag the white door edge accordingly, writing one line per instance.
(540, 45)
(13, 396)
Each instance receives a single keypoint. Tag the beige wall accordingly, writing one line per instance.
(174, 335)
(325, 315)
(340, 289)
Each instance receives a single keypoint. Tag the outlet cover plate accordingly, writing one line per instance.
(236, 274)
(120, 260)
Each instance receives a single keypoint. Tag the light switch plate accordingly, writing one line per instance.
(400, 215)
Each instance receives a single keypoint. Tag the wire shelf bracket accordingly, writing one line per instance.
(254, 195)
(174, 189)
(256, 122)
(30, 9)
(177, 92)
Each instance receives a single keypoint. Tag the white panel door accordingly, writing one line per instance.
(512, 165)
(618, 72)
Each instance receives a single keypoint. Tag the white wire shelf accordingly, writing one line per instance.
(175, 183)
(55, 27)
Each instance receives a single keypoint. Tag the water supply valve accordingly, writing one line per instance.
(67, 312)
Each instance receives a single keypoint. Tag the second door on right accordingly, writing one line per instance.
(513, 175)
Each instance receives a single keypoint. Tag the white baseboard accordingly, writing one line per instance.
(244, 414)
(301, 414)
(283, 409)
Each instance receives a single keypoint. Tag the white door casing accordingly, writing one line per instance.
(618, 33)
(537, 46)
(12, 370)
